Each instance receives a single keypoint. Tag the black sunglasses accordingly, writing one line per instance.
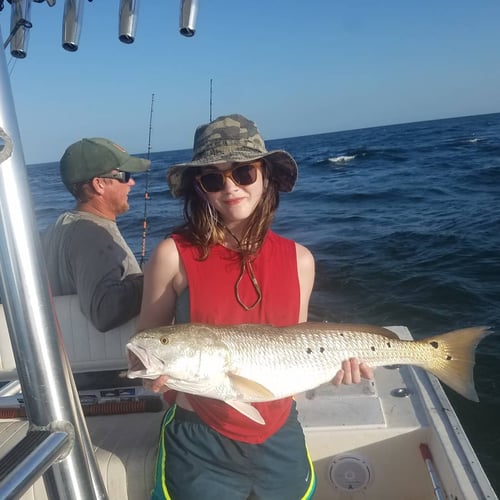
(241, 175)
(120, 176)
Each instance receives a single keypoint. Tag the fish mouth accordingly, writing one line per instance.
(142, 364)
(135, 364)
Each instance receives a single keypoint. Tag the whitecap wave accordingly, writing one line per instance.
(341, 158)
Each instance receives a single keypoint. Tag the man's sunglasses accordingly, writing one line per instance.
(120, 176)
(241, 175)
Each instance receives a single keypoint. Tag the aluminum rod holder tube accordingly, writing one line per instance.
(72, 23)
(20, 18)
(189, 11)
(42, 364)
(128, 13)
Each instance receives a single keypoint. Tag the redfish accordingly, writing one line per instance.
(242, 364)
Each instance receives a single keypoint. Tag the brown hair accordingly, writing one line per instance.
(80, 190)
(204, 228)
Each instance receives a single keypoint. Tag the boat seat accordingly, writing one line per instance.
(88, 349)
(125, 450)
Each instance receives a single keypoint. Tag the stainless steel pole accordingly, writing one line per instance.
(42, 364)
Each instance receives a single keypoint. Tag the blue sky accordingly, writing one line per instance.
(296, 67)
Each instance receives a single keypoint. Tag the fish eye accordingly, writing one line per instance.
(164, 340)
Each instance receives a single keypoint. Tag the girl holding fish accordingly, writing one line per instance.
(225, 266)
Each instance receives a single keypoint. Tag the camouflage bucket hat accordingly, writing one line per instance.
(231, 138)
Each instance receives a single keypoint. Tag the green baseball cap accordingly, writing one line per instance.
(231, 138)
(89, 158)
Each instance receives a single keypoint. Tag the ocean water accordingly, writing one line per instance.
(404, 223)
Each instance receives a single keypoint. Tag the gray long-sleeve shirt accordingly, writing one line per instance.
(86, 255)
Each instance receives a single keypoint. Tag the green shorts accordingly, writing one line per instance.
(196, 462)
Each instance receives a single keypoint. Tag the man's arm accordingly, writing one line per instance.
(109, 296)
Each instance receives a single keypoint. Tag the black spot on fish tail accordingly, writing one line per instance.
(309, 350)
(321, 349)
(372, 348)
(389, 344)
(458, 349)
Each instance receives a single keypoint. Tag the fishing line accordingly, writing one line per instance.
(12, 64)
(146, 190)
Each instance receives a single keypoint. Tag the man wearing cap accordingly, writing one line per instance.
(84, 250)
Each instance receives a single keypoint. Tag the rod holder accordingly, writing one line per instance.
(187, 23)
(72, 22)
(20, 24)
(129, 11)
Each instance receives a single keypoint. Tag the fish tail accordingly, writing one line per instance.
(453, 359)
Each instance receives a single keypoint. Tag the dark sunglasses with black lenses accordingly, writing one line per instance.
(120, 176)
(241, 175)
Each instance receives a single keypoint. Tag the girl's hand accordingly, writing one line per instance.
(157, 385)
(352, 372)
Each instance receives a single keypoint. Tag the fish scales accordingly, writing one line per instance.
(302, 359)
(249, 363)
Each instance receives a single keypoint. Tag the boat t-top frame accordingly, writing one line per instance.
(57, 444)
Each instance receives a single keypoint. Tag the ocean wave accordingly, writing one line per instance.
(342, 159)
(391, 154)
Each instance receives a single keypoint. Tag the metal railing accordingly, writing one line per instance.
(63, 450)
(30, 458)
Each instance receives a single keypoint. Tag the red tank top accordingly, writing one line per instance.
(213, 301)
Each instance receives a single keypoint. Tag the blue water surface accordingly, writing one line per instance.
(404, 223)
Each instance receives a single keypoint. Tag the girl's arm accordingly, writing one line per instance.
(305, 268)
(164, 280)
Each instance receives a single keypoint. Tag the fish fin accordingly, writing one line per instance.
(385, 332)
(249, 387)
(248, 410)
(192, 387)
(374, 330)
(315, 325)
(454, 361)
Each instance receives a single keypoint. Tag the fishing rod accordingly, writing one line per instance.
(146, 189)
(210, 100)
